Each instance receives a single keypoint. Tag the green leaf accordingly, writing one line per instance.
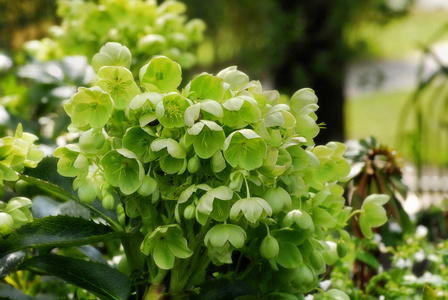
(95, 277)
(55, 231)
(368, 259)
(428, 293)
(44, 175)
(10, 263)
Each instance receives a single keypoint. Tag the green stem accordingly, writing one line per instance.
(158, 279)
(131, 244)
(248, 270)
(358, 211)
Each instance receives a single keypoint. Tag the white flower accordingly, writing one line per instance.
(395, 227)
(402, 263)
(421, 231)
(377, 238)
(309, 297)
(324, 285)
(381, 297)
(419, 256)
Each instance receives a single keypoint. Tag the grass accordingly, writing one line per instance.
(401, 36)
(377, 114)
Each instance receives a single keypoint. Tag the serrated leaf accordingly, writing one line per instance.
(45, 173)
(45, 177)
(11, 262)
(54, 232)
(95, 277)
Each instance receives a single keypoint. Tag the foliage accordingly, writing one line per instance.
(406, 271)
(216, 180)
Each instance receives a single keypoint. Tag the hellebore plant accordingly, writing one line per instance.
(218, 180)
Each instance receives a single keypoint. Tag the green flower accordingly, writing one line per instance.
(218, 210)
(207, 137)
(207, 109)
(171, 110)
(240, 111)
(373, 213)
(122, 169)
(71, 161)
(25, 141)
(278, 198)
(234, 77)
(112, 54)
(221, 234)
(206, 86)
(221, 239)
(299, 217)
(138, 140)
(245, 148)
(172, 156)
(164, 244)
(253, 209)
(143, 108)
(277, 161)
(18, 209)
(6, 224)
(161, 74)
(90, 107)
(119, 83)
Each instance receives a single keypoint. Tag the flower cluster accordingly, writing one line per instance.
(146, 27)
(16, 153)
(220, 166)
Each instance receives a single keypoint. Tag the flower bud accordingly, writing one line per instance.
(108, 202)
(269, 247)
(190, 212)
(98, 140)
(148, 186)
(342, 249)
(6, 223)
(86, 193)
(194, 164)
(317, 260)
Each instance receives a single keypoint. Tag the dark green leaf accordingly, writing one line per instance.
(44, 206)
(10, 263)
(95, 277)
(46, 171)
(54, 232)
(46, 177)
(428, 293)
(92, 253)
(368, 259)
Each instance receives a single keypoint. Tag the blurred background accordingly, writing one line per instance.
(378, 67)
